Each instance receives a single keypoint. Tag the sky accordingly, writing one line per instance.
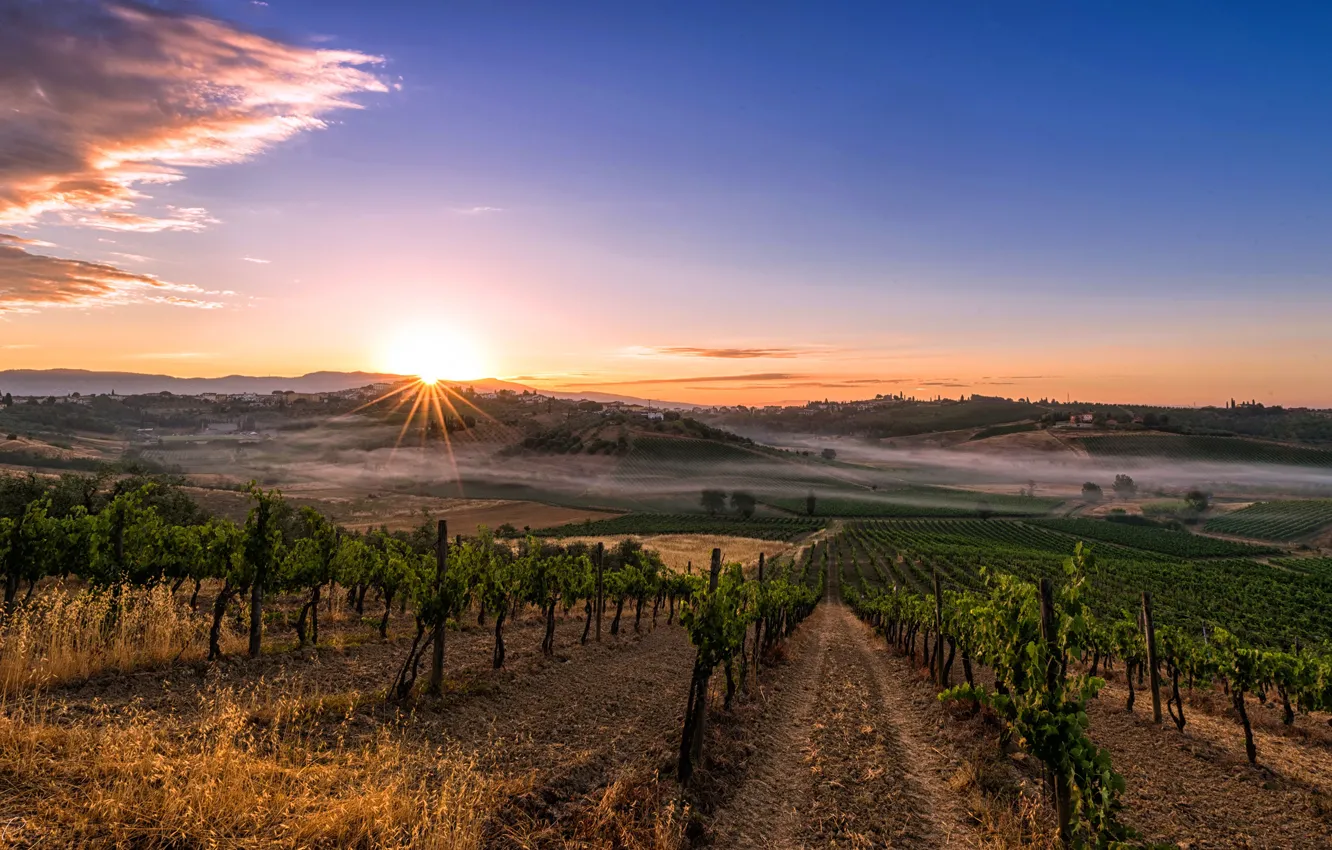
(696, 201)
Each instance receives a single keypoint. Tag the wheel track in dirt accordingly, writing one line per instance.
(845, 758)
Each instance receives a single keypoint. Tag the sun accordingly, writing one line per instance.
(435, 355)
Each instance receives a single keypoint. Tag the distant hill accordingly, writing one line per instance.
(61, 382)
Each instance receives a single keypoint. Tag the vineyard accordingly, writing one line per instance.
(913, 501)
(1203, 449)
(1181, 544)
(136, 577)
(761, 528)
(1260, 603)
(1279, 521)
(1044, 646)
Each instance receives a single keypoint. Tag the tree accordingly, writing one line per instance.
(1197, 500)
(810, 503)
(1091, 492)
(713, 501)
(1125, 487)
(743, 503)
(828, 454)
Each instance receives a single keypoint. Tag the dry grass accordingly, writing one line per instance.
(1008, 815)
(678, 550)
(636, 811)
(65, 635)
(233, 778)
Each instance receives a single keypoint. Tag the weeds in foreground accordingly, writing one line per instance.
(282, 778)
(65, 635)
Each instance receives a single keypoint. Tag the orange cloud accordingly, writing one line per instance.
(727, 353)
(103, 98)
(31, 281)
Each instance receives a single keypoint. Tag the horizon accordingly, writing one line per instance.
(792, 402)
(702, 205)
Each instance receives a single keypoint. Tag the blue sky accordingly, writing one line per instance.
(925, 192)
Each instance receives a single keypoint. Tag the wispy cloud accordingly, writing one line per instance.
(29, 282)
(477, 210)
(761, 376)
(726, 353)
(170, 355)
(256, 260)
(189, 219)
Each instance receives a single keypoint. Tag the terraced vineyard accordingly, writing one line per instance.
(1162, 540)
(1285, 520)
(1262, 604)
(1198, 448)
(763, 528)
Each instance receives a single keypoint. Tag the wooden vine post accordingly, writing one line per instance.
(696, 713)
(758, 625)
(701, 705)
(1150, 636)
(436, 684)
(601, 597)
(938, 632)
(1050, 636)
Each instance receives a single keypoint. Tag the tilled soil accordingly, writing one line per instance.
(846, 758)
(1196, 789)
(568, 727)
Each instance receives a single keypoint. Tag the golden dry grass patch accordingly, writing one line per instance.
(234, 778)
(65, 634)
(680, 550)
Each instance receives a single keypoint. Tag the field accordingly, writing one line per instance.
(1261, 603)
(1203, 449)
(1181, 544)
(690, 552)
(763, 528)
(123, 728)
(1279, 521)
(913, 501)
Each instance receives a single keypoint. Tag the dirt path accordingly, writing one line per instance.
(846, 759)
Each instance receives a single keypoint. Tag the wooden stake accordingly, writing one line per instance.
(436, 683)
(701, 704)
(1150, 630)
(601, 587)
(938, 632)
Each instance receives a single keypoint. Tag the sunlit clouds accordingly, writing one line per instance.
(105, 101)
(29, 281)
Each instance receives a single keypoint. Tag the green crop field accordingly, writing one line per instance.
(1264, 604)
(1000, 430)
(1288, 520)
(1196, 448)
(912, 501)
(1162, 540)
(1309, 566)
(763, 528)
